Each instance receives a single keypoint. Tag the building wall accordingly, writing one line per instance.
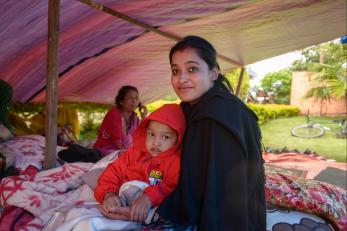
(302, 81)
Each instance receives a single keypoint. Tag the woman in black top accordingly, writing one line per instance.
(221, 183)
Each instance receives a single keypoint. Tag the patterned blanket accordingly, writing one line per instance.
(310, 196)
(31, 200)
(25, 151)
(47, 192)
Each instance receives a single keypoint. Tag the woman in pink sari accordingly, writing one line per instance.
(120, 122)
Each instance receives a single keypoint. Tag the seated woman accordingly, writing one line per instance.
(120, 122)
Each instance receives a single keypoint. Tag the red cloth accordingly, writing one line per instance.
(29, 171)
(112, 134)
(160, 172)
(14, 218)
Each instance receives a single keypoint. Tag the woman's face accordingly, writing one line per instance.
(191, 76)
(130, 101)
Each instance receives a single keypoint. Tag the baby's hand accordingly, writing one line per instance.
(111, 202)
(139, 209)
(112, 208)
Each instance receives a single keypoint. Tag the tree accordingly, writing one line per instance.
(309, 60)
(321, 93)
(330, 53)
(280, 84)
(233, 78)
(328, 60)
(334, 78)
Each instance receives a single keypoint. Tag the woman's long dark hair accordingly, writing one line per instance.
(206, 52)
(121, 94)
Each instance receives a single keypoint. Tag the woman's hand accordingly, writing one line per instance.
(121, 213)
(139, 209)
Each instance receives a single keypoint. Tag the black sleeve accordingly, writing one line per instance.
(212, 188)
(224, 199)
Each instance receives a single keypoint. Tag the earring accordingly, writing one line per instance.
(215, 73)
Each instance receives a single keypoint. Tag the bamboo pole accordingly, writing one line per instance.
(148, 27)
(239, 83)
(124, 17)
(51, 78)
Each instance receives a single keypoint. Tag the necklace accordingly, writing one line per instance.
(126, 120)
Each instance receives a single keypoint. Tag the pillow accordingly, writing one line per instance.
(91, 177)
(310, 196)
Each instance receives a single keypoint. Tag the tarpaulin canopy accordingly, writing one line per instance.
(98, 52)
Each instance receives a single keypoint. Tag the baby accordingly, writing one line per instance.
(148, 170)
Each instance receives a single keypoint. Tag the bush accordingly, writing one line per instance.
(91, 115)
(266, 112)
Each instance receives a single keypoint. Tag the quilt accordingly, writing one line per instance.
(292, 201)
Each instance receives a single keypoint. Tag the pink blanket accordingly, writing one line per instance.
(63, 187)
(26, 151)
(44, 192)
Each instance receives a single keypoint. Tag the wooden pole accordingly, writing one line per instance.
(124, 17)
(52, 76)
(117, 14)
(321, 55)
(238, 88)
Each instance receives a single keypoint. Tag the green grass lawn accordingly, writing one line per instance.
(276, 134)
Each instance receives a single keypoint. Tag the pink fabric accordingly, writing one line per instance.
(30, 171)
(48, 190)
(16, 219)
(40, 194)
(99, 53)
(313, 164)
(26, 150)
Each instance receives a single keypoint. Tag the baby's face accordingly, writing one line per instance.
(160, 138)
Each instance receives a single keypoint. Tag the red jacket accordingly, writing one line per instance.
(112, 135)
(160, 172)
